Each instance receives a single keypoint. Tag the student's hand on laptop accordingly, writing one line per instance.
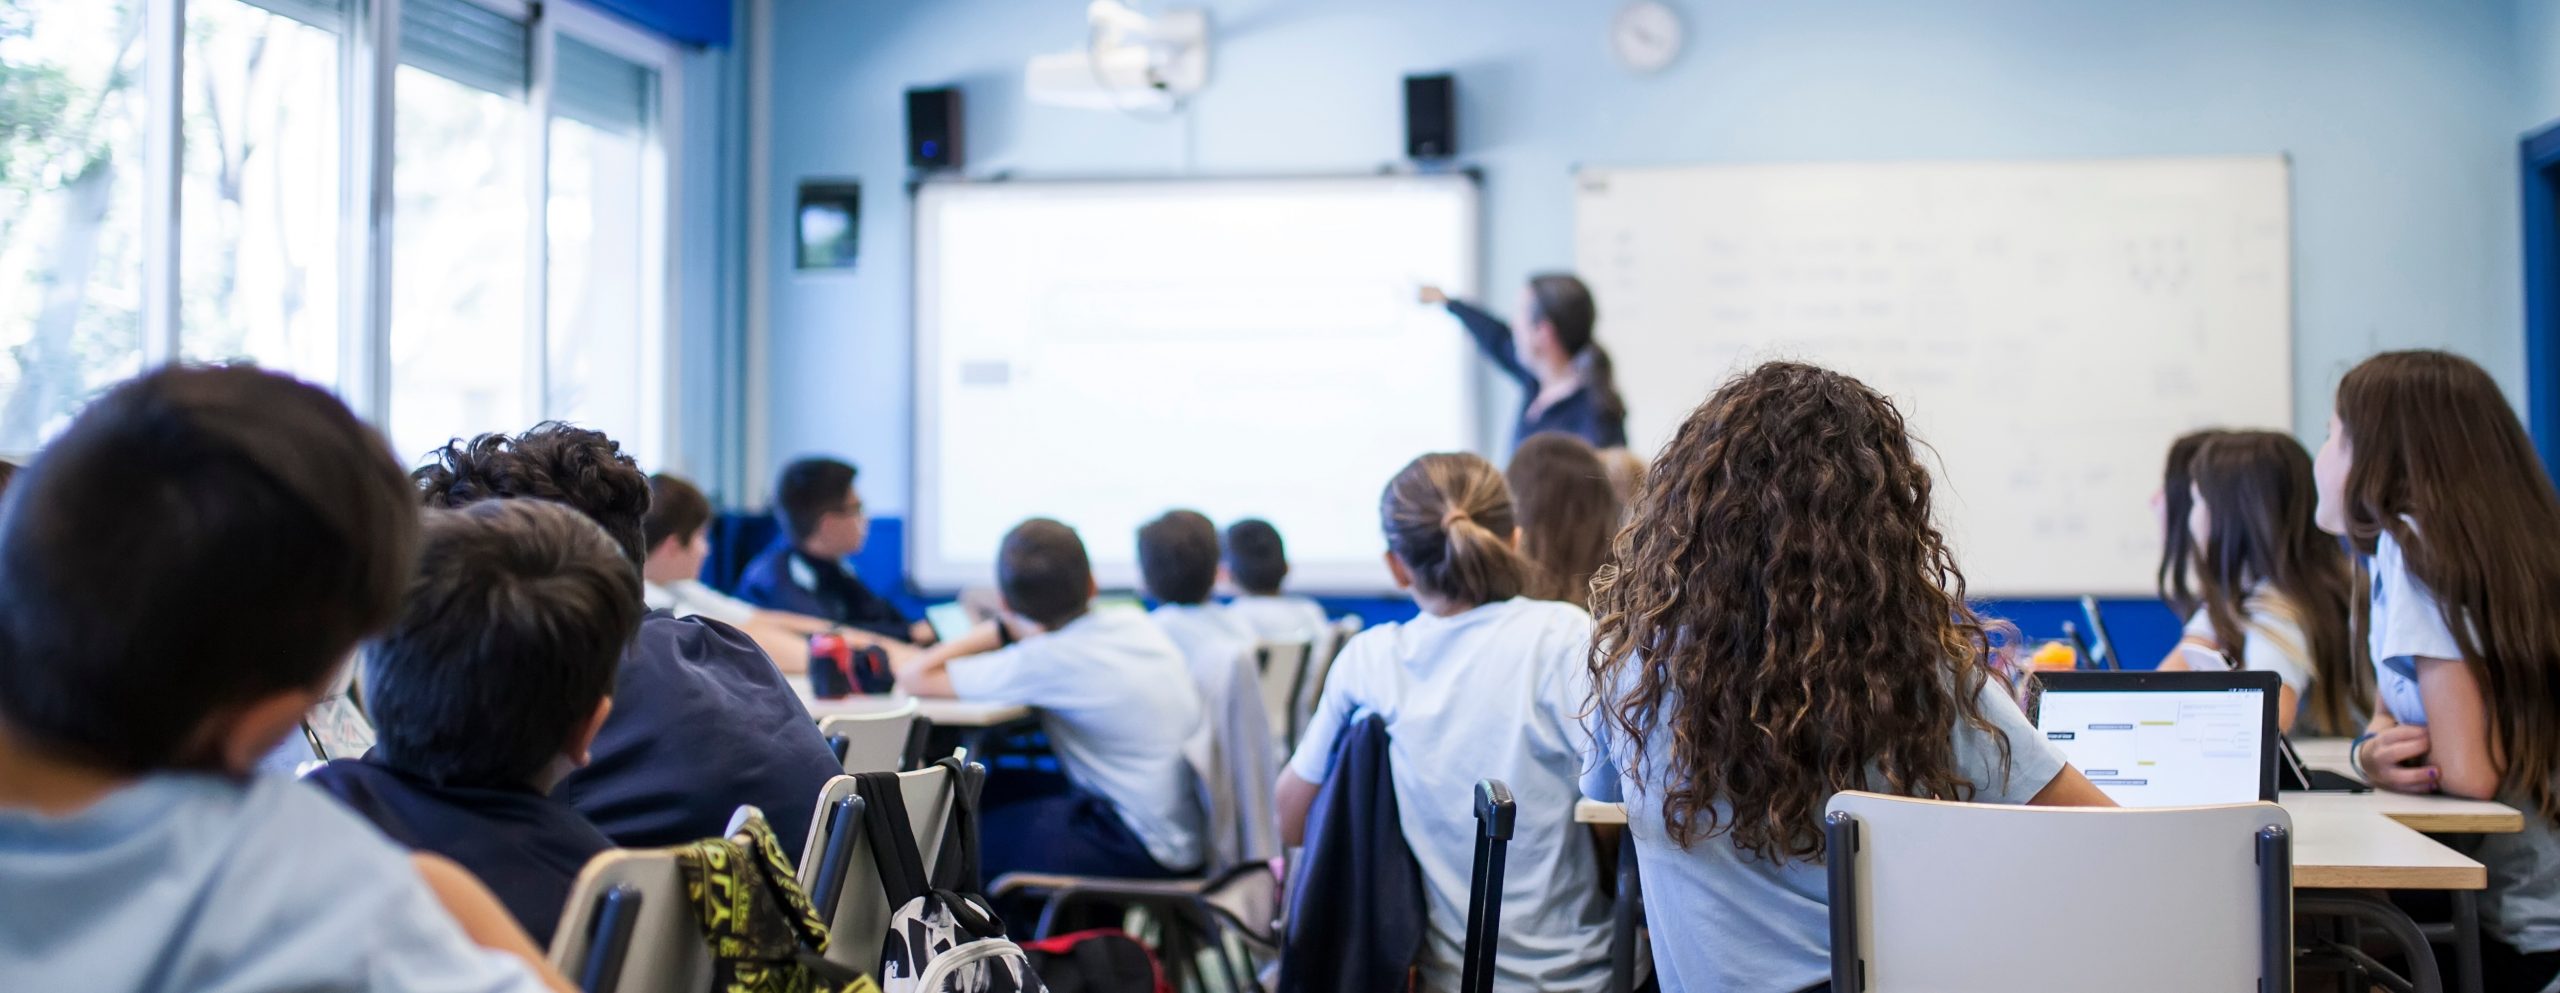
(2382, 757)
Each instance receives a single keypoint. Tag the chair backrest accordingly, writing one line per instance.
(874, 742)
(628, 927)
(859, 921)
(1328, 649)
(1495, 812)
(1928, 895)
(1283, 665)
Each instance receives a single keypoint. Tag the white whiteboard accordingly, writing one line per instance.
(2047, 327)
(1101, 352)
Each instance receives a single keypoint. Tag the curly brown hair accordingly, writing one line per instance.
(1783, 608)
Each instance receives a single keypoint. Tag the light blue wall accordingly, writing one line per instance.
(2400, 116)
(2538, 53)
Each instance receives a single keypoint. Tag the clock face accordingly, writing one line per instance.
(1645, 36)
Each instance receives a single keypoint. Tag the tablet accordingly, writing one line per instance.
(949, 620)
(2166, 739)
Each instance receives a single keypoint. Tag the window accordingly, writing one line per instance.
(462, 341)
(258, 251)
(71, 181)
(601, 219)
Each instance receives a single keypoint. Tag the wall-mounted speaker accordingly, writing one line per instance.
(1430, 116)
(933, 129)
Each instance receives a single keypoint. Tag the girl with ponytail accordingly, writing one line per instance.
(1485, 684)
(1571, 385)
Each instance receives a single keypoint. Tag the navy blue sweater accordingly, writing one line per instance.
(1578, 414)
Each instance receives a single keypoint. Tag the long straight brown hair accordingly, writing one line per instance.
(1568, 513)
(2258, 488)
(1785, 620)
(2440, 463)
(2176, 542)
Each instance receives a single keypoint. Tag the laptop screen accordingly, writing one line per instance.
(2166, 739)
(950, 620)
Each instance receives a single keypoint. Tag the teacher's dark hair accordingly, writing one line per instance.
(1565, 304)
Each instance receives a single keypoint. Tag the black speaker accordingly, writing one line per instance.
(933, 128)
(1430, 116)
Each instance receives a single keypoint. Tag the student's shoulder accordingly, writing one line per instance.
(308, 849)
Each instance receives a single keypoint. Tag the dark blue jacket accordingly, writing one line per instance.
(526, 846)
(1578, 414)
(702, 722)
(785, 579)
(1356, 904)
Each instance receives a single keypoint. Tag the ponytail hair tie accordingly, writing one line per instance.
(1450, 520)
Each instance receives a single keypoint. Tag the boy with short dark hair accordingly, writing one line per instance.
(1116, 700)
(678, 532)
(1258, 563)
(702, 721)
(1178, 562)
(489, 687)
(805, 573)
(181, 573)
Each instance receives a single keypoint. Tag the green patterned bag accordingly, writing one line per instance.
(763, 934)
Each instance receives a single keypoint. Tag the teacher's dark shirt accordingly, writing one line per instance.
(1578, 414)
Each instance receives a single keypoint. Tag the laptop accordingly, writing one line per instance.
(2105, 656)
(2166, 739)
(950, 620)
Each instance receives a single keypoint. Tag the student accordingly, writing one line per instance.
(1566, 374)
(181, 572)
(1116, 700)
(1568, 514)
(1258, 564)
(678, 530)
(702, 721)
(823, 521)
(1626, 478)
(489, 687)
(2170, 506)
(1178, 562)
(2274, 588)
(1484, 685)
(2429, 475)
(1785, 623)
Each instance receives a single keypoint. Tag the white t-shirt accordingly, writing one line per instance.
(1203, 632)
(2406, 625)
(1293, 620)
(2275, 640)
(689, 597)
(1492, 693)
(1118, 703)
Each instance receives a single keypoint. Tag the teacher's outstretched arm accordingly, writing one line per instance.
(1493, 337)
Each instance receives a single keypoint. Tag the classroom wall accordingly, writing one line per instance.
(2400, 117)
(2538, 59)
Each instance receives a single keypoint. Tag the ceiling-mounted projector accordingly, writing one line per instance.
(1130, 61)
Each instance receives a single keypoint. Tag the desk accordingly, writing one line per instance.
(943, 712)
(2341, 841)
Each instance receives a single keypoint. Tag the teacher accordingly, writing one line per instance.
(1567, 375)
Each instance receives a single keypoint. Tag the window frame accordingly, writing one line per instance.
(369, 61)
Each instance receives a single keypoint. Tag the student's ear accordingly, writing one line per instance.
(582, 741)
(1092, 588)
(257, 727)
(1395, 567)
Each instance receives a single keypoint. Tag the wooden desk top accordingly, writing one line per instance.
(942, 712)
(2430, 814)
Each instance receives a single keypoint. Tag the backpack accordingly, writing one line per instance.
(763, 935)
(1107, 960)
(941, 940)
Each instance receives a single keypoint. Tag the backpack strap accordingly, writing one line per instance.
(893, 842)
(959, 867)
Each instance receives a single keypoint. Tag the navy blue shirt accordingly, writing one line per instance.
(702, 722)
(1578, 414)
(526, 846)
(785, 578)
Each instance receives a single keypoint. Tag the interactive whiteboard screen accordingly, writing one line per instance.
(2046, 327)
(1101, 352)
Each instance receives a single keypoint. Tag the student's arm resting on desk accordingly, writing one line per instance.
(2385, 749)
(484, 920)
(2071, 789)
(927, 671)
(2458, 729)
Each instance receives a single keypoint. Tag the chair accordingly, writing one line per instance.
(1931, 895)
(836, 859)
(1283, 667)
(888, 741)
(628, 927)
(1495, 811)
(1327, 649)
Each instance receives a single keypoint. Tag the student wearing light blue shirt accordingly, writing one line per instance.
(1786, 623)
(1485, 684)
(2429, 475)
(181, 574)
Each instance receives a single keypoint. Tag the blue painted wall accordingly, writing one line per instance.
(2400, 116)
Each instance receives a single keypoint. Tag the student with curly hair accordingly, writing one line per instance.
(1783, 622)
